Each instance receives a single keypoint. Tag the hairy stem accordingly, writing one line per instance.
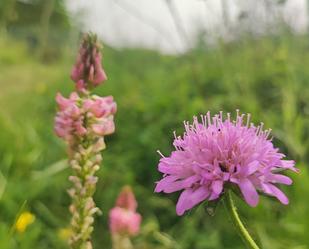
(243, 232)
(85, 163)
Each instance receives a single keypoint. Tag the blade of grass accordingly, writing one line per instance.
(51, 170)
(21, 209)
(3, 182)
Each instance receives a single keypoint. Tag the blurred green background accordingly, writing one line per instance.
(265, 75)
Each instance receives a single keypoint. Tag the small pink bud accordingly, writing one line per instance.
(81, 86)
(124, 219)
(125, 222)
(126, 199)
(88, 66)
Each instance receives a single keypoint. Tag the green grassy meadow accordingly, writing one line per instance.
(155, 93)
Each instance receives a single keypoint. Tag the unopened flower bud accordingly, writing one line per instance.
(87, 71)
(124, 220)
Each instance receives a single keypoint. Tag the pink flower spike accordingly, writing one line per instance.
(216, 153)
(82, 120)
(73, 111)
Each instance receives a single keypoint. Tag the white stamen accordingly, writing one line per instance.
(159, 152)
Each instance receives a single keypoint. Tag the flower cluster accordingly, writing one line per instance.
(79, 116)
(87, 71)
(218, 153)
(124, 220)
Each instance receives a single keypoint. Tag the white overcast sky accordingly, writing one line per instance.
(148, 23)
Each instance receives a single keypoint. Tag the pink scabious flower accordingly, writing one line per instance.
(217, 153)
(88, 71)
(124, 220)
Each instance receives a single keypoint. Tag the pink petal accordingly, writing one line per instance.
(276, 178)
(251, 168)
(166, 183)
(74, 96)
(87, 104)
(213, 196)
(274, 191)
(172, 184)
(217, 187)
(62, 101)
(289, 164)
(190, 198)
(106, 126)
(249, 192)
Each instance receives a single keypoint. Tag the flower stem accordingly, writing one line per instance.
(121, 242)
(244, 234)
(85, 162)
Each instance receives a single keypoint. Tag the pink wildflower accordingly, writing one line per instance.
(69, 119)
(124, 220)
(87, 71)
(82, 121)
(79, 116)
(219, 152)
(101, 110)
(102, 106)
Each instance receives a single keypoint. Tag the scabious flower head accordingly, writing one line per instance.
(78, 116)
(217, 153)
(124, 220)
(87, 71)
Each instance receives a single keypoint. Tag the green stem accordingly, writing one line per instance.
(244, 234)
(121, 242)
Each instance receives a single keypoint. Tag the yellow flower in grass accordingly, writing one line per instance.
(23, 221)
